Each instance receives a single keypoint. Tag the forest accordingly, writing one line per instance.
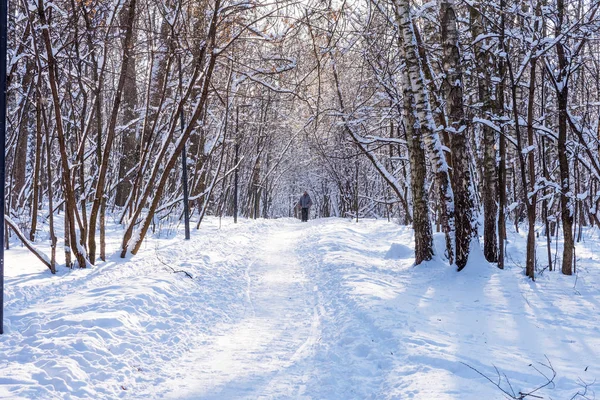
(468, 118)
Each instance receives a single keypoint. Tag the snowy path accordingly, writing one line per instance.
(300, 335)
(257, 354)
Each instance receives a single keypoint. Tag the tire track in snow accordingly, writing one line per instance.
(249, 288)
(355, 355)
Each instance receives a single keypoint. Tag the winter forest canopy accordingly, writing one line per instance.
(462, 117)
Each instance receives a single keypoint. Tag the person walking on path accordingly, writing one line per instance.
(305, 203)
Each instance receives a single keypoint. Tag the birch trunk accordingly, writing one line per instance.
(424, 119)
(418, 184)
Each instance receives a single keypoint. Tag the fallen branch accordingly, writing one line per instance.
(585, 386)
(168, 266)
(521, 395)
(37, 252)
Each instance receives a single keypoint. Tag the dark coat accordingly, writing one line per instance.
(305, 201)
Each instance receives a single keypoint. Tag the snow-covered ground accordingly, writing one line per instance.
(277, 309)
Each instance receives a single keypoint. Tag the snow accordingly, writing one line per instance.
(329, 309)
(528, 150)
(398, 251)
(488, 123)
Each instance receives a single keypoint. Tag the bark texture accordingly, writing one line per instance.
(566, 205)
(489, 187)
(424, 120)
(457, 130)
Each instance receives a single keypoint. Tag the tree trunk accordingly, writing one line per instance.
(20, 155)
(502, 146)
(457, 129)
(418, 185)
(37, 168)
(129, 152)
(110, 135)
(531, 202)
(423, 119)
(70, 201)
(489, 185)
(566, 206)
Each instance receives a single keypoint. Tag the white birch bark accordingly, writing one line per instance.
(414, 80)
